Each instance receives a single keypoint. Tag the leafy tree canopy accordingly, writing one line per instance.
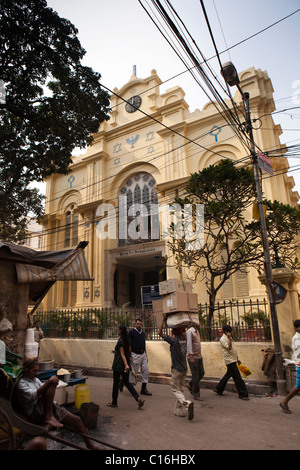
(232, 239)
(53, 103)
(283, 226)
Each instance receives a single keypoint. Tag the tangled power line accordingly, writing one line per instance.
(173, 29)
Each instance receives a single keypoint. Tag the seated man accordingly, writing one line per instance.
(36, 401)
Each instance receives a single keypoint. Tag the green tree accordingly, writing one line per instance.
(283, 226)
(53, 103)
(230, 240)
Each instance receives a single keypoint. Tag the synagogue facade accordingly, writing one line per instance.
(138, 163)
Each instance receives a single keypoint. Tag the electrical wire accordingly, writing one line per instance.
(207, 85)
(216, 49)
(160, 155)
(217, 55)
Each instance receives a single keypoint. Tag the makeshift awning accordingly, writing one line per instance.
(73, 268)
(41, 269)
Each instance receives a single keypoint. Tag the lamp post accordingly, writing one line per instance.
(230, 75)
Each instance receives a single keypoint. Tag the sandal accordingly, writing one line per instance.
(285, 409)
(111, 405)
(140, 403)
(191, 411)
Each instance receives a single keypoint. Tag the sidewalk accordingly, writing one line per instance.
(220, 422)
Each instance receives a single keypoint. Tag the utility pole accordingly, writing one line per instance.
(231, 77)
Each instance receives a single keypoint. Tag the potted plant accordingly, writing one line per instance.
(249, 319)
(264, 320)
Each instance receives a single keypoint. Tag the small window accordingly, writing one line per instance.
(71, 229)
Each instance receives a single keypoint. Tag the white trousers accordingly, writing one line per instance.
(140, 361)
(177, 383)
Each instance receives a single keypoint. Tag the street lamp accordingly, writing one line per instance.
(231, 77)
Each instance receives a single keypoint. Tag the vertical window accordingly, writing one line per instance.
(237, 284)
(227, 286)
(140, 190)
(242, 283)
(71, 229)
(67, 229)
(69, 288)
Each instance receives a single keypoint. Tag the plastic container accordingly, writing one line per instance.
(82, 395)
(31, 350)
(60, 393)
(46, 365)
(29, 336)
(77, 374)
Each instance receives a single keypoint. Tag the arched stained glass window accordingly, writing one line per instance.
(140, 203)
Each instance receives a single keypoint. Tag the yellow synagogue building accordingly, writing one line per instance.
(138, 162)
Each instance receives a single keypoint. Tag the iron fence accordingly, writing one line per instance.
(250, 322)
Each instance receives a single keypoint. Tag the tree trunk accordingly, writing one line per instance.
(212, 302)
(13, 306)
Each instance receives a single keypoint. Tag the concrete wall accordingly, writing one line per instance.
(90, 353)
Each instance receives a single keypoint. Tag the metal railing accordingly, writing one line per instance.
(250, 322)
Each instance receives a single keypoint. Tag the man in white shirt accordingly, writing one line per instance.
(296, 359)
(231, 359)
(195, 361)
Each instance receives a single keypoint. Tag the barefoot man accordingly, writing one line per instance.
(36, 400)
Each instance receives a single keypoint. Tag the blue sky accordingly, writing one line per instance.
(118, 34)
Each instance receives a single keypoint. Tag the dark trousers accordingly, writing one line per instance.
(233, 371)
(128, 385)
(197, 371)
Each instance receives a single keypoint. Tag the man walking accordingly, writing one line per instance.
(195, 361)
(295, 358)
(179, 369)
(139, 358)
(231, 358)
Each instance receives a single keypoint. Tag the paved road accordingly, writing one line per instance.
(220, 422)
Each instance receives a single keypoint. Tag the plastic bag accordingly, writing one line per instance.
(245, 371)
(132, 377)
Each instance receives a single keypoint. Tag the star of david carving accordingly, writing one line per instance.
(117, 161)
(150, 136)
(117, 148)
(86, 293)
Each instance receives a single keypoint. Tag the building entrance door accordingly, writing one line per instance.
(131, 289)
(130, 268)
